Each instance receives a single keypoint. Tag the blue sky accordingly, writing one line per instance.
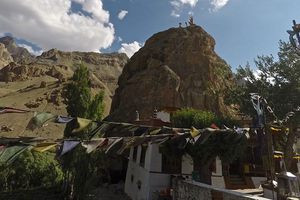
(242, 29)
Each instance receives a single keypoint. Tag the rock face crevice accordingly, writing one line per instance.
(175, 68)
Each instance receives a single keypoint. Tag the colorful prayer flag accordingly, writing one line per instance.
(39, 120)
(194, 132)
(93, 144)
(63, 119)
(115, 146)
(68, 145)
(275, 129)
(81, 124)
(42, 147)
(4, 110)
(9, 154)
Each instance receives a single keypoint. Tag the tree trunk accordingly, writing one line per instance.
(205, 174)
(203, 166)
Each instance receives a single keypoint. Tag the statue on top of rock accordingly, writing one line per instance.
(191, 21)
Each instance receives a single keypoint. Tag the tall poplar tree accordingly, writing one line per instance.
(80, 102)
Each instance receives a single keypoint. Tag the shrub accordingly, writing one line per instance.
(29, 170)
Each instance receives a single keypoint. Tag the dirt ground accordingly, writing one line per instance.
(16, 95)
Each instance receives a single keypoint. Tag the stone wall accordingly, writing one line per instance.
(192, 190)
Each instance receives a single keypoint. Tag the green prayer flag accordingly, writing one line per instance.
(9, 154)
(39, 119)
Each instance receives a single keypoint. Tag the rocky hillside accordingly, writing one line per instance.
(36, 83)
(19, 54)
(178, 68)
(5, 57)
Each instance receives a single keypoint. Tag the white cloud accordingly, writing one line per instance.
(174, 14)
(31, 50)
(122, 14)
(179, 4)
(51, 24)
(130, 48)
(218, 4)
(95, 7)
(120, 39)
(192, 3)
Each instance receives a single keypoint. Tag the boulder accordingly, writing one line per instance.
(175, 68)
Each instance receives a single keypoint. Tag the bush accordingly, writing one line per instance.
(186, 118)
(30, 170)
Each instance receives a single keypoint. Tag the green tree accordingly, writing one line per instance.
(277, 80)
(31, 169)
(77, 164)
(228, 147)
(80, 102)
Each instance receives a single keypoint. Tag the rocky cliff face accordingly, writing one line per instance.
(19, 54)
(178, 68)
(105, 67)
(5, 57)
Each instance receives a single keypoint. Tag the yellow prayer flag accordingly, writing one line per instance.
(83, 123)
(275, 129)
(278, 156)
(44, 146)
(194, 132)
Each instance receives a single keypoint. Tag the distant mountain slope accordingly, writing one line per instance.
(36, 83)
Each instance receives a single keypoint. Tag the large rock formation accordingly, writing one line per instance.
(5, 57)
(178, 68)
(19, 54)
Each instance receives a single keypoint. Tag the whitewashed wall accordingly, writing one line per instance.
(164, 116)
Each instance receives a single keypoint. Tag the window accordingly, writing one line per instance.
(143, 156)
(171, 165)
(134, 153)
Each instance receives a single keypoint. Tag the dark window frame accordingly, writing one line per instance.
(143, 155)
(134, 153)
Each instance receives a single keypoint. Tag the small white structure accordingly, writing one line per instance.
(164, 114)
(149, 171)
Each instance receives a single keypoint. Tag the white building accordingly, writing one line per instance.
(149, 171)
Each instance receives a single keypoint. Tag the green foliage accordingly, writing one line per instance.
(29, 170)
(83, 167)
(80, 102)
(278, 82)
(227, 146)
(96, 107)
(189, 117)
